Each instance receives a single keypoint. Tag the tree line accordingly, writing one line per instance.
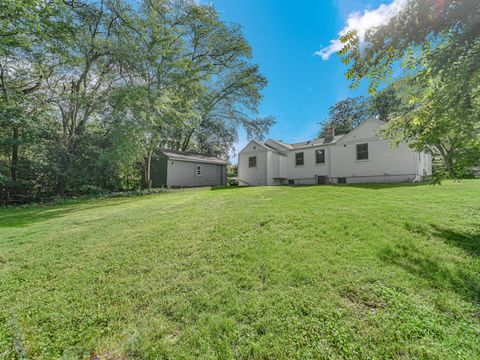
(89, 90)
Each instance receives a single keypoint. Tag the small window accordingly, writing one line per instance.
(198, 170)
(291, 182)
(362, 152)
(342, 180)
(320, 156)
(299, 159)
(252, 162)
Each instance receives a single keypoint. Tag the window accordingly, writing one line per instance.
(320, 156)
(252, 162)
(198, 170)
(291, 182)
(299, 159)
(321, 180)
(342, 180)
(362, 152)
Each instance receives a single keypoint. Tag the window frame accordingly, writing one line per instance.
(249, 162)
(303, 158)
(361, 152)
(316, 156)
(198, 167)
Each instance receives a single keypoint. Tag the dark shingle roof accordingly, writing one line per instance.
(305, 144)
(188, 156)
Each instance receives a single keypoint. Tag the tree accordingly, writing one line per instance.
(385, 103)
(196, 83)
(87, 74)
(419, 26)
(441, 113)
(229, 91)
(436, 43)
(30, 32)
(90, 90)
(347, 114)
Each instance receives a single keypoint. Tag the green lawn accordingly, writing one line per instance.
(374, 271)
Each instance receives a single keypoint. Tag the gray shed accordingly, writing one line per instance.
(183, 169)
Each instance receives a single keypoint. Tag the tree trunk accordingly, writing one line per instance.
(61, 186)
(14, 161)
(186, 142)
(447, 160)
(148, 178)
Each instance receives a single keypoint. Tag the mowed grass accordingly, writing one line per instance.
(373, 271)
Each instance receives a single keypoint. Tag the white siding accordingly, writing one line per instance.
(182, 173)
(279, 166)
(258, 174)
(382, 160)
(379, 179)
(384, 164)
(364, 130)
(425, 163)
(307, 173)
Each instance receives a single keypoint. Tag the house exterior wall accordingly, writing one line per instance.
(382, 160)
(256, 175)
(384, 164)
(425, 163)
(307, 174)
(278, 168)
(182, 174)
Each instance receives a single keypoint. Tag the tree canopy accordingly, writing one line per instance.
(429, 54)
(89, 90)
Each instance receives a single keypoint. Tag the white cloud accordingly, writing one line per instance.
(361, 22)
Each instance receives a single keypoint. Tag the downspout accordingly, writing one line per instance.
(329, 163)
(415, 167)
(415, 163)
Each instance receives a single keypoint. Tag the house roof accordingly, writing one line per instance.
(304, 144)
(282, 148)
(314, 142)
(278, 144)
(188, 156)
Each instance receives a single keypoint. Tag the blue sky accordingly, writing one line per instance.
(284, 36)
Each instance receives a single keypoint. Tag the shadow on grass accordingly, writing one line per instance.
(470, 242)
(467, 241)
(380, 186)
(371, 186)
(20, 217)
(227, 187)
(432, 267)
(427, 266)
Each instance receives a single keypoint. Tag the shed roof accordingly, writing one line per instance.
(188, 156)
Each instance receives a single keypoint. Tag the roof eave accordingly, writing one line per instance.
(217, 162)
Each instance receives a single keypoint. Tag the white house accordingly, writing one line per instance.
(357, 157)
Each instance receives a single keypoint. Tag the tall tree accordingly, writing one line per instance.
(30, 35)
(436, 43)
(198, 86)
(347, 114)
(88, 90)
(419, 26)
(87, 74)
(385, 103)
(441, 113)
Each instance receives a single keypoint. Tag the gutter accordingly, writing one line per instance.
(219, 162)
